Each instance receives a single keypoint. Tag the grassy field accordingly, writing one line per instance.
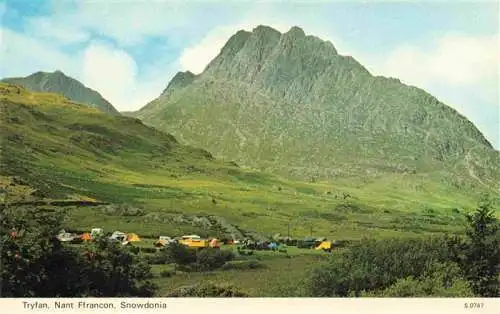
(54, 149)
(280, 274)
(280, 277)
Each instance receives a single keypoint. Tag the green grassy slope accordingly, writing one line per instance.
(58, 82)
(55, 149)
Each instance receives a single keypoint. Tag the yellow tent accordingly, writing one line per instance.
(325, 245)
(132, 237)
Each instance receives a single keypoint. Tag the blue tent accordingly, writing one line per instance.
(273, 246)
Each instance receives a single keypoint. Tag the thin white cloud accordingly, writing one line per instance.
(114, 73)
(127, 24)
(111, 70)
(58, 31)
(196, 57)
(22, 55)
(456, 60)
(131, 23)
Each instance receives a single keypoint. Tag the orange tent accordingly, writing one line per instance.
(86, 236)
(132, 237)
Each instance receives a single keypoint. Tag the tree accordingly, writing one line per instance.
(441, 280)
(482, 256)
(210, 259)
(35, 264)
(28, 250)
(207, 290)
(375, 265)
(109, 270)
(179, 254)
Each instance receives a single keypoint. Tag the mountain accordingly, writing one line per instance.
(291, 104)
(58, 82)
(117, 173)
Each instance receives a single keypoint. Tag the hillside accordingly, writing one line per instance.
(116, 172)
(290, 104)
(60, 83)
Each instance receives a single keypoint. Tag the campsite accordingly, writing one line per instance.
(260, 268)
(196, 242)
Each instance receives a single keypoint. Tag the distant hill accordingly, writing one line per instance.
(58, 82)
(290, 104)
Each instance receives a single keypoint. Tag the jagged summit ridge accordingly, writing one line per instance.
(248, 55)
(296, 32)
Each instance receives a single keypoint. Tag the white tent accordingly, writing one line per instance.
(118, 235)
(64, 236)
(193, 236)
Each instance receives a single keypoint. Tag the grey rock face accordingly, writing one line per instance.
(290, 103)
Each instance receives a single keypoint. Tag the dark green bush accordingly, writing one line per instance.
(166, 273)
(244, 252)
(186, 268)
(207, 290)
(377, 264)
(481, 259)
(150, 250)
(210, 259)
(243, 265)
(442, 280)
(190, 259)
(455, 210)
(428, 210)
(179, 254)
(414, 267)
(156, 259)
(133, 249)
(35, 264)
(301, 244)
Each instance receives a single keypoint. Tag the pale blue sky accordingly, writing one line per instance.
(129, 50)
